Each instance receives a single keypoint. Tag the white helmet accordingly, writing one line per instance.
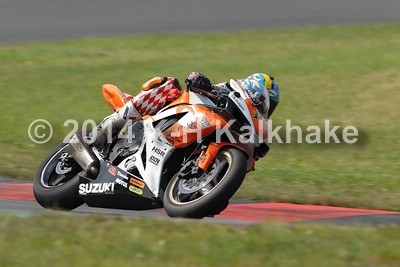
(256, 86)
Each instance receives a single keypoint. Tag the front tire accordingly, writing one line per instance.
(199, 195)
(56, 181)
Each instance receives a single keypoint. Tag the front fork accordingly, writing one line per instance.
(207, 156)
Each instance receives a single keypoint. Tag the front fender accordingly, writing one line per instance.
(212, 151)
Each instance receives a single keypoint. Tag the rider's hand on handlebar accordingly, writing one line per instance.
(196, 80)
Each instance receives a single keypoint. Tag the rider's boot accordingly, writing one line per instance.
(113, 124)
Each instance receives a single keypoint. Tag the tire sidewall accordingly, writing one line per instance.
(217, 196)
(64, 197)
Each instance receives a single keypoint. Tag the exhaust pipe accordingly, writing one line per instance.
(84, 155)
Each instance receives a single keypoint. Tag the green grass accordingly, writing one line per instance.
(67, 240)
(348, 74)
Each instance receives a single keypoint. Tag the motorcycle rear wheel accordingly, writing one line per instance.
(56, 182)
(199, 195)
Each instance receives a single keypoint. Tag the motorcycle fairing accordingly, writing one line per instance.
(150, 158)
(259, 122)
(116, 188)
(159, 142)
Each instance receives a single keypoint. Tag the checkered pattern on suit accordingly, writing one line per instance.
(151, 101)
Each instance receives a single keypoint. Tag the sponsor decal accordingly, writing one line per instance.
(192, 125)
(123, 176)
(120, 182)
(112, 170)
(96, 188)
(203, 122)
(154, 160)
(137, 182)
(150, 128)
(79, 146)
(135, 190)
(158, 151)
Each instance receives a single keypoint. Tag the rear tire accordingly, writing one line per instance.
(56, 185)
(191, 197)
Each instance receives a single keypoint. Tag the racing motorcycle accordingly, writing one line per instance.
(189, 158)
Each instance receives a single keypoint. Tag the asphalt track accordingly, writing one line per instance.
(38, 20)
(42, 20)
(17, 198)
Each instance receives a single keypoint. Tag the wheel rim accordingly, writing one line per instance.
(59, 169)
(186, 190)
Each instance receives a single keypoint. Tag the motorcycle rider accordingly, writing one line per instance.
(254, 86)
(159, 91)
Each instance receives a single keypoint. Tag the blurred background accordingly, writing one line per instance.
(42, 20)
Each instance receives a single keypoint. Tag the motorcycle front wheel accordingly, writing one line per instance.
(201, 194)
(56, 181)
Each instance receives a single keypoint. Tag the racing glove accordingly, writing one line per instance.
(196, 80)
